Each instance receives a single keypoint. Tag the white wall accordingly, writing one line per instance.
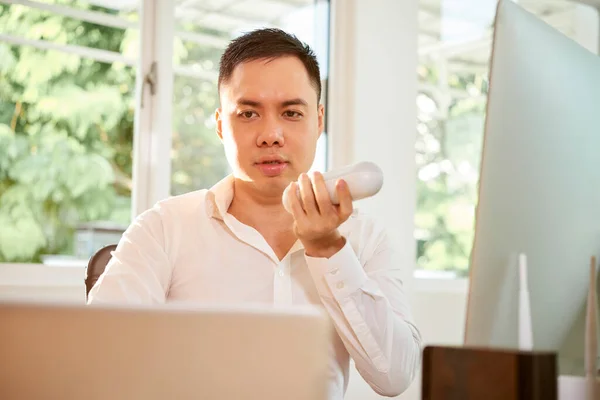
(373, 113)
(372, 116)
(37, 282)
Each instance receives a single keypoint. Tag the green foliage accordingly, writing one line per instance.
(448, 156)
(198, 160)
(66, 129)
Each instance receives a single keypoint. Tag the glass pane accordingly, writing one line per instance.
(204, 29)
(454, 50)
(66, 128)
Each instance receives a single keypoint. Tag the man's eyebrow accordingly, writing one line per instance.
(294, 102)
(291, 102)
(248, 102)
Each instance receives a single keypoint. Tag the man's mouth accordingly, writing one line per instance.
(272, 168)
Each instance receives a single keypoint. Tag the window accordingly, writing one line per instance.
(68, 74)
(66, 125)
(454, 50)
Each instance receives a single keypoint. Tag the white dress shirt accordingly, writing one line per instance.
(188, 248)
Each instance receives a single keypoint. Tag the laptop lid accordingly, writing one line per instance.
(93, 352)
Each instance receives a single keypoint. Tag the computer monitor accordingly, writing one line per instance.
(173, 352)
(539, 189)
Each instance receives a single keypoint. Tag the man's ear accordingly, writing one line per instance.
(321, 118)
(219, 122)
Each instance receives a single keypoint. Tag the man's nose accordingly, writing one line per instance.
(271, 133)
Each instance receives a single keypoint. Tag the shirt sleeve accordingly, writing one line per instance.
(371, 314)
(139, 271)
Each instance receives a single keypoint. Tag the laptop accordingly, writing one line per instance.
(172, 352)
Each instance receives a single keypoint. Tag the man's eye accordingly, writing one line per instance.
(247, 114)
(292, 114)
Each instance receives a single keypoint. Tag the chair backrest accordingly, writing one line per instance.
(96, 266)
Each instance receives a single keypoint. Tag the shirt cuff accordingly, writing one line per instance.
(337, 276)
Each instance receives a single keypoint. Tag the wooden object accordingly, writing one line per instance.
(453, 373)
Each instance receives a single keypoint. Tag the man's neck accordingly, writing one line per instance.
(259, 208)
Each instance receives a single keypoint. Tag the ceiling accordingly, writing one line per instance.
(455, 38)
(461, 35)
(456, 33)
(454, 30)
(222, 15)
(237, 15)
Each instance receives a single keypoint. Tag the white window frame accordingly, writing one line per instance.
(152, 138)
(153, 111)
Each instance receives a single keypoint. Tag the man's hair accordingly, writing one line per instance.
(268, 43)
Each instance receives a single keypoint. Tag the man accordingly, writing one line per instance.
(236, 242)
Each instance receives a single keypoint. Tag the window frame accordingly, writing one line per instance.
(151, 172)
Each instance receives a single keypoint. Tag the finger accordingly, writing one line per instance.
(306, 194)
(345, 199)
(294, 202)
(321, 194)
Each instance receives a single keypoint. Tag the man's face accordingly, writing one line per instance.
(269, 121)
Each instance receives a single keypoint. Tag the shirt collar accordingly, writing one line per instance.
(218, 200)
(219, 197)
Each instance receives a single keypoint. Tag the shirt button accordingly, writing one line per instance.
(335, 271)
(340, 285)
(281, 273)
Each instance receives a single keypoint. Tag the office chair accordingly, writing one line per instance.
(96, 266)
